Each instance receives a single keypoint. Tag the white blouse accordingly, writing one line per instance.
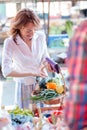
(18, 56)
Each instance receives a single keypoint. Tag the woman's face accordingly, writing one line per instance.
(27, 31)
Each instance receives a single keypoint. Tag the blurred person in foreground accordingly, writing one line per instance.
(23, 54)
(76, 104)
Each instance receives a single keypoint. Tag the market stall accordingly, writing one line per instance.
(47, 107)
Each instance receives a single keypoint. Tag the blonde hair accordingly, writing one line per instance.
(23, 17)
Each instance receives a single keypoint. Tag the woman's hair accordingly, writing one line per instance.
(23, 17)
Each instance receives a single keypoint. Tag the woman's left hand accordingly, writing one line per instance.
(42, 71)
(48, 66)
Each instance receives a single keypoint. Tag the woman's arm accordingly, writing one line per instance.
(18, 74)
(39, 72)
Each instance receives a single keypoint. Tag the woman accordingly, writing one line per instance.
(23, 55)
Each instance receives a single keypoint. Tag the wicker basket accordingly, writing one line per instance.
(59, 99)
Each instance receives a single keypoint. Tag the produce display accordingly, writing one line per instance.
(65, 28)
(60, 33)
(40, 118)
(20, 116)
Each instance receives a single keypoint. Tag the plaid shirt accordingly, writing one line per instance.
(76, 103)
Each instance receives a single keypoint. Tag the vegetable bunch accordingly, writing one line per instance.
(50, 88)
(20, 116)
(44, 95)
(52, 83)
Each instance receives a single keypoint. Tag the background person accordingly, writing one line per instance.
(76, 104)
(23, 54)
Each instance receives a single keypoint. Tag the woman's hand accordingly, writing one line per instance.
(42, 71)
(48, 66)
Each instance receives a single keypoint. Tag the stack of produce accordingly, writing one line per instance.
(49, 88)
(20, 116)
